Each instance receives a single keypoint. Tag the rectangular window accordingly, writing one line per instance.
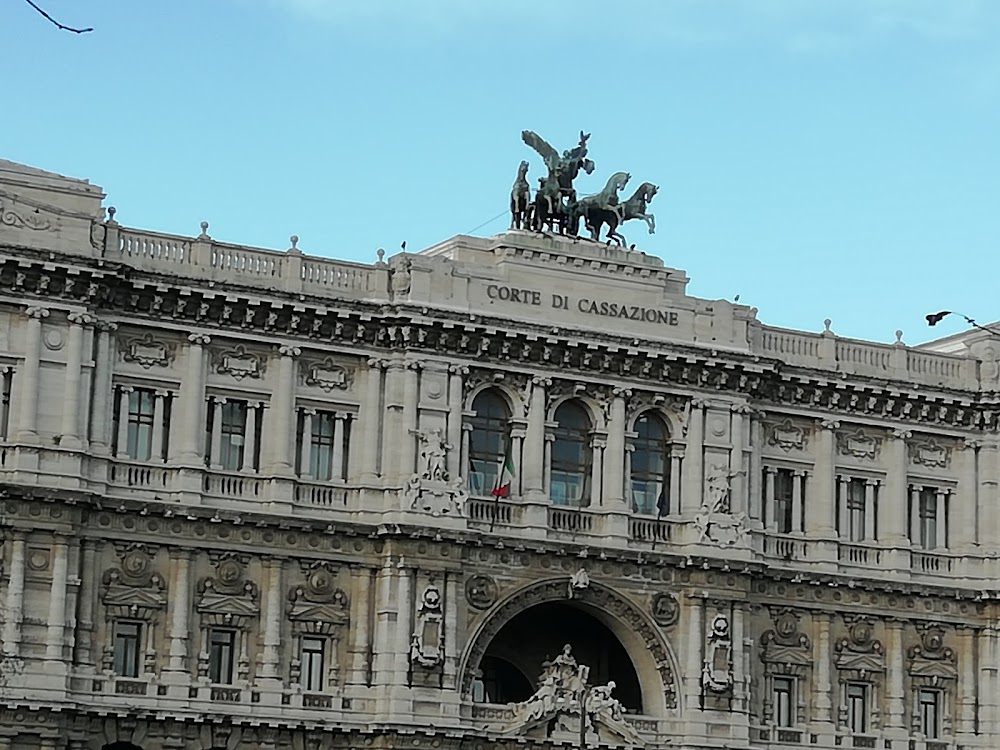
(784, 499)
(856, 508)
(784, 701)
(929, 710)
(321, 457)
(857, 707)
(221, 644)
(313, 653)
(6, 381)
(127, 640)
(139, 409)
(928, 518)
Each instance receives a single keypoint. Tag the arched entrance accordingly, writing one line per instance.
(607, 631)
(513, 660)
(121, 746)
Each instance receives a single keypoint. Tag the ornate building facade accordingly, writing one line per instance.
(516, 491)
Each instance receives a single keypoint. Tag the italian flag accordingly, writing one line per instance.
(505, 478)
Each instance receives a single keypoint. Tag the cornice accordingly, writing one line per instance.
(116, 290)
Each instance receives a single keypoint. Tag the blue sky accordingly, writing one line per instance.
(819, 158)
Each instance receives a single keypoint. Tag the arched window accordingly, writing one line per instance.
(571, 457)
(488, 444)
(650, 475)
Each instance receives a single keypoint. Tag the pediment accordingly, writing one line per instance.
(866, 662)
(777, 653)
(128, 596)
(933, 668)
(318, 612)
(227, 604)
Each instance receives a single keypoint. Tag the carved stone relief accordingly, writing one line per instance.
(713, 522)
(858, 444)
(717, 671)
(132, 590)
(787, 435)
(860, 657)
(427, 642)
(147, 351)
(238, 363)
(665, 610)
(481, 591)
(930, 453)
(318, 607)
(327, 375)
(430, 490)
(23, 216)
(785, 651)
(227, 599)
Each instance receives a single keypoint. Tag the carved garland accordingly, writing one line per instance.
(596, 595)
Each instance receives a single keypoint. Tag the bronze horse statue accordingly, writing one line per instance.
(520, 200)
(556, 195)
(615, 214)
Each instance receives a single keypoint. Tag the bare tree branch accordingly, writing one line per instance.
(54, 21)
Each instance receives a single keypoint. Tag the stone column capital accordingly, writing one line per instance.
(458, 370)
(289, 350)
(199, 339)
(106, 326)
(829, 424)
(82, 318)
(901, 434)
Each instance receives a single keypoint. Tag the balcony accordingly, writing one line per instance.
(491, 513)
(859, 555)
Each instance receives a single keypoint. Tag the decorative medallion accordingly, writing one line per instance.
(858, 444)
(238, 363)
(665, 610)
(481, 591)
(717, 671)
(329, 376)
(932, 658)
(147, 351)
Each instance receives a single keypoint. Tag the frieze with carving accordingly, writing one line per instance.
(787, 435)
(328, 375)
(23, 217)
(147, 351)
(238, 363)
(858, 444)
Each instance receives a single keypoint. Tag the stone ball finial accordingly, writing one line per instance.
(294, 249)
(381, 255)
(826, 326)
(204, 231)
(111, 212)
(899, 336)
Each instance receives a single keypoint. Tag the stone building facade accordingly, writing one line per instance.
(514, 491)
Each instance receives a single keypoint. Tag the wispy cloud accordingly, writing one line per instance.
(798, 25)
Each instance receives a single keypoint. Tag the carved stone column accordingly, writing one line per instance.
(159, 425)
(894, 691)
(27, 428)
(185, 444)
(180, 602)
(694, 461)
(896, 501)
(88, 585)
(360, 637)
(756, 472)
(614, 454)
(371, 420)
(534, 442)
(56, 630)
(250, 439)
(100, 425)
(456, 411)
(14, 601)
(273, 616)
(394, 443)
(411, 421)
(694, 647)
(70, 430)
(822, 658)
(820, 521)
(337, 470)
(989, 493)
(386, 621)
(964, 510)
(738, 493)
(453, 606)
(989, 665)
(280, 437)
(967, 688)
(121, 439)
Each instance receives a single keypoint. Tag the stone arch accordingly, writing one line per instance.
(514, 399)
(650, 652)
(598, 423)
(670, 419)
